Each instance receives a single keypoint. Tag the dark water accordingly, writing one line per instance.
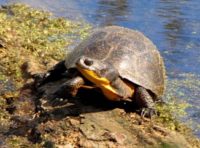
(174, 26)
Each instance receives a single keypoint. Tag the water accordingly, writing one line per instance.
(174, 26)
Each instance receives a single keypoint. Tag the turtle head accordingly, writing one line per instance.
(106, 77)
(101, 74)
(97, 71)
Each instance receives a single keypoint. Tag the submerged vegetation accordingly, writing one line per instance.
(182, 92)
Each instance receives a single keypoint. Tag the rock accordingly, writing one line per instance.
(77, 122)
(108, 127)
(104, 126)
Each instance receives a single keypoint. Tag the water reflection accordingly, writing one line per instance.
(173, 31)
(107, 14)
(172, 13)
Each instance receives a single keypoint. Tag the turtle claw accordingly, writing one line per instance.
(43, 78)
(57, 102)
(148, 112)
(39, 78)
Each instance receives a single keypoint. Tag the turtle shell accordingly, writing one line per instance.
(134, 56)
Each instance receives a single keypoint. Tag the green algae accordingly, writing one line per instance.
(167, 114)
(181, 93)
(184, 91)
(26, 32)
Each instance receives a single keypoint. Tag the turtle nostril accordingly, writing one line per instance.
(88, 62)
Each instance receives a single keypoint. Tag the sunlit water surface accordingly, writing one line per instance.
(174, 26)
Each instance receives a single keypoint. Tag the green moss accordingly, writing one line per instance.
(26, 32)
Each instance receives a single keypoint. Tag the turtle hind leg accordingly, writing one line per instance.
(145, 102)
(53, 74)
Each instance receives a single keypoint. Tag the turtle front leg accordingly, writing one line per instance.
(56, 73)
(145, 101)
(68, 89)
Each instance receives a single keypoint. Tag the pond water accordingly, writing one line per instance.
(174, 26)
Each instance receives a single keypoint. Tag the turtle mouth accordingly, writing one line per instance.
(97, 67)
(95, 71)
(101, 71)
(89, 69)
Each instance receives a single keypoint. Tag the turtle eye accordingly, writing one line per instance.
(88, 62)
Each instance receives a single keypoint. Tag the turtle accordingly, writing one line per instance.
(122, 63)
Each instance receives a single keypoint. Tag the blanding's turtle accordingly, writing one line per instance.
(122, 63)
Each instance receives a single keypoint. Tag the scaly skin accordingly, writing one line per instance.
(145, 100)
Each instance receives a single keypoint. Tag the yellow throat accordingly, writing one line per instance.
(101, 82)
